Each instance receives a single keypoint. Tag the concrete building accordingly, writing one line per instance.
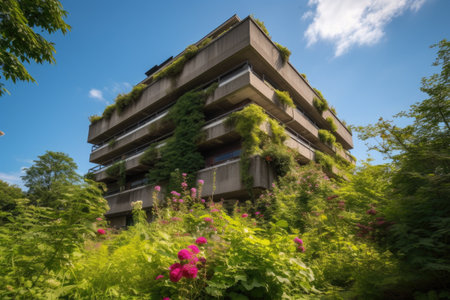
(248, 67)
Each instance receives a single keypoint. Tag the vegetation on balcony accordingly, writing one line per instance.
(112, 142)
(327, 137)
(118, 171)
(121, 102)
(285, 98)
(150, 156)
(180, 151)
(325, 160)
(331, 123)
(320, 103)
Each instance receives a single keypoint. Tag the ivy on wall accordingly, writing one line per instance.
(180, 151)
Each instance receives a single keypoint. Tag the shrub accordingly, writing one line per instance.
(284, 51)
(112, 142)
(150, 156)
(279, 159)
(327, 137)
(320, 103)
(333, 110)
(94, 119)
(285, 98)
(261, 25)
(122, 101)
(304, 76)
(324, 160)
(331, 123)
(118, 170)
(109, 110)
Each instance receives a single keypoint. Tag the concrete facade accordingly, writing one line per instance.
(247, 66)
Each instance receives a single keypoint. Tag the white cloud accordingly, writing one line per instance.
(346, 23)
(96, 94)
(13, 177)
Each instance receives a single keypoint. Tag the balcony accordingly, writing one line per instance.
(121, 202)
(244, 42)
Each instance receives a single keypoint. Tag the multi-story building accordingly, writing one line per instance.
(248, 67)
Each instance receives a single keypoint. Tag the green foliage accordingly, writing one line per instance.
(279, 158)
(327, 137)
(331, 123)
(109, 110)
(285, 98)
(118, 170)
(348, 127)
(324, 160)
(150, 156)
(8, 196)
(180, 151)
(122, 101)
(47, 176)
(333, 110)
(112, 142)
(38, 243)
(261, 25)
(419, 203)
(94, 119)
(320, 103)
(304, 76)
(21, 43)
(284, 51)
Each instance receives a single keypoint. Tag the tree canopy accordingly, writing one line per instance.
(20, 43)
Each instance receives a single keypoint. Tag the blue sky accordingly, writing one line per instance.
(366, 56)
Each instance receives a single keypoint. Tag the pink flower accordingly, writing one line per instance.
(208, 219)
(203, 201)
(244, 215)
(176, 219)
(181, 200)
(202, 260)
(184, 184)
(99, 219)
(176, 274)
(371, 211)
(215, 210)
(189, 271)
(201, 181)
(159, 277)
(191, 210)
(166, 298)
(301, 249)
(175, 266)
(193, 192)
(194, 249)
(298, 241)
(174, 200)
(201, 240)
(173, 193)
(157, 188)
(101, 231)
(257, 213)
(184, 254)
(193, 260)
(184, 174)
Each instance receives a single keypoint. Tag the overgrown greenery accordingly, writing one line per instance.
(150, 156)
(331, 123)
(321, 104)
(285, 98)
(284, 51)
(180, 151)
(327, 137)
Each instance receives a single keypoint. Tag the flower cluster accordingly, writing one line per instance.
(189, 262)
(300, 246)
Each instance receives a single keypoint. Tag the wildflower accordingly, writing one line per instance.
(201, 182)
(257, 213)
(194, 249)
(173, 193)
(184, 254)
(184, 184)
(176, 219)
(99, 219)
(176, 274)
(332, 197)
(203, 201)
(208, 219)
(244, 215)
(201, 240)
(166, 298)
(157, 188)
(175, 266)
(159, 277)
(181, 200)
(268, 158)
(298, 241)
(189, 271)
(174, 199)
(101, 231)
(193, 192)
(191, 210)
(301, 249)
(202, 260)
(184, 174)
(214, 210)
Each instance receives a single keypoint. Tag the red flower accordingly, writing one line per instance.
(184, 254)
(101, 231)
(176, 275)
(201, 240)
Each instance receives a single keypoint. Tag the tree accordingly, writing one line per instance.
(51, 172)
(20, 43)
(420, 202)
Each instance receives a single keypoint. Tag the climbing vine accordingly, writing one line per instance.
(285, 98)
(180, 151)
(255, 141)
(331, 123)
(327, 137)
